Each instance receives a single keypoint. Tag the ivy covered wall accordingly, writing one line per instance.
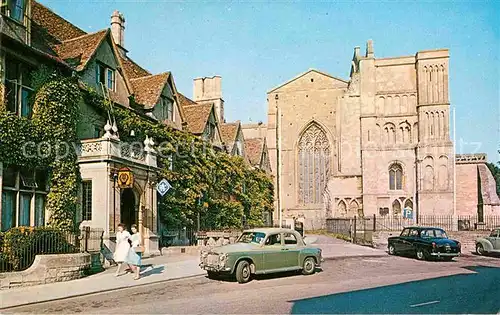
(212, 186)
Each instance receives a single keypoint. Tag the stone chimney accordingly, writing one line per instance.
(208, 90)
(118, 30)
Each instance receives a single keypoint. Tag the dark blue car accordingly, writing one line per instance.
(424, 243)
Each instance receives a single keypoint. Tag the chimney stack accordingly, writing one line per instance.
(118, 29)
(209, 90)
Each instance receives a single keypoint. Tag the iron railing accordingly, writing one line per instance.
(20, 246)
(348, 226)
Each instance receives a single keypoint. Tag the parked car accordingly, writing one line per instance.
(425, 243)
(261, 251)
(490, 244)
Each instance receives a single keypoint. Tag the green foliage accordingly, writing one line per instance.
(495, 171)
(213, 185)
(52, 130)
(20, 245)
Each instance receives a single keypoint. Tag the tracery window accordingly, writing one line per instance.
(395, 177)
(314, 165)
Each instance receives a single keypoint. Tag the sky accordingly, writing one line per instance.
(257, 45)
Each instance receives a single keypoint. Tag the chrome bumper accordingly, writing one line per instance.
(217, 268)
(445, 254)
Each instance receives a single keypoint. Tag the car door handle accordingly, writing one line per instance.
(284, 249)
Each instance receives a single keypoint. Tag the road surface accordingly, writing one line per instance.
(381, 285)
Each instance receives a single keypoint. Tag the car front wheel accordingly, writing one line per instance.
(480, 249)
(421, 254)
(309, 266)
(243, 272)
(392, 250)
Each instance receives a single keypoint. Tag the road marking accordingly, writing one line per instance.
(426, 303)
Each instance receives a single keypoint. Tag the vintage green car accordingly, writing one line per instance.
(261, 251)
(490, 244)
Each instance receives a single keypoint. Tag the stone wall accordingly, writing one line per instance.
(48, 269)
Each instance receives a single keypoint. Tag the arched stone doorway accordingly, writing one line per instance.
(128, 207)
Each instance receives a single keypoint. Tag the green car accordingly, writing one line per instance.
(490, 244)
(261, 251)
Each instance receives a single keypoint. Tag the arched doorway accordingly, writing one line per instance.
(128, 207)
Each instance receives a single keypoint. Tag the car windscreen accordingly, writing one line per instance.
(251, 237)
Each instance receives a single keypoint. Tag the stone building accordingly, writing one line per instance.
(375, 144)
(36, 36)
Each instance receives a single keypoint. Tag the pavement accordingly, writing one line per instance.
(390, 284)
(158, 269)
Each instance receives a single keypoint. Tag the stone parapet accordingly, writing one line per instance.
(48, 269)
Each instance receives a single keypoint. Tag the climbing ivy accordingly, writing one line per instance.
(46, 141)
(209, 184)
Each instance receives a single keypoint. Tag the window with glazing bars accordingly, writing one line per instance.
(87, 200)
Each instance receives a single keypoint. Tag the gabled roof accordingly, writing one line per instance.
(229, 132)
(132, 69)
(253, 149)
(185, 101)
(59, 28)
(197, 117)
(147, 90)
(303, 74)
(81, 49)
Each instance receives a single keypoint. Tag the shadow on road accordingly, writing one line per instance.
(231, 278)
(475, 293)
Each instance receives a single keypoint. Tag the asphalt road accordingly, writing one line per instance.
(381, 285)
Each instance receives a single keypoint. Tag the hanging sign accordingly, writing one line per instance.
(125, 178)
(163, 186)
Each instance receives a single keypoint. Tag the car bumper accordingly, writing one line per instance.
(445, 254)
(214, 268)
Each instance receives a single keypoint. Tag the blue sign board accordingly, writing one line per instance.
(163, 187)
(408, 213)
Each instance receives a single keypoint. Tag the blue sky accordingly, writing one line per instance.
(258, 45)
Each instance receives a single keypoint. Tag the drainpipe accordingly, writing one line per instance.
(278, 161)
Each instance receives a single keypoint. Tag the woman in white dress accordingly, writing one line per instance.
(122, 247)
(137, 248)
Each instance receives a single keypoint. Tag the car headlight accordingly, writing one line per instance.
(222, 257)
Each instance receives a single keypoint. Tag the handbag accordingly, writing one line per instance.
(139, 249)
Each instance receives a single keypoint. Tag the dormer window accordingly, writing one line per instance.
(105, 76)
(111, 79)
(14, 9)
(239, 148)
(167, 106)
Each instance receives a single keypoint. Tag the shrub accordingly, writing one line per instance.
(20, 245)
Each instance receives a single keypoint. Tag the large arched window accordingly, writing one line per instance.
(395, 177)
(314, 164)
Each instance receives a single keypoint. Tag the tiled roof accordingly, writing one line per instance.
(132, 69)
(197, 116)
(79, 50)
(253, 150)
(228, 132)
(58, 28)
(147, 89)
(185, 101)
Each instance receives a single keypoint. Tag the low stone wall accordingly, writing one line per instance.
(48, 269)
